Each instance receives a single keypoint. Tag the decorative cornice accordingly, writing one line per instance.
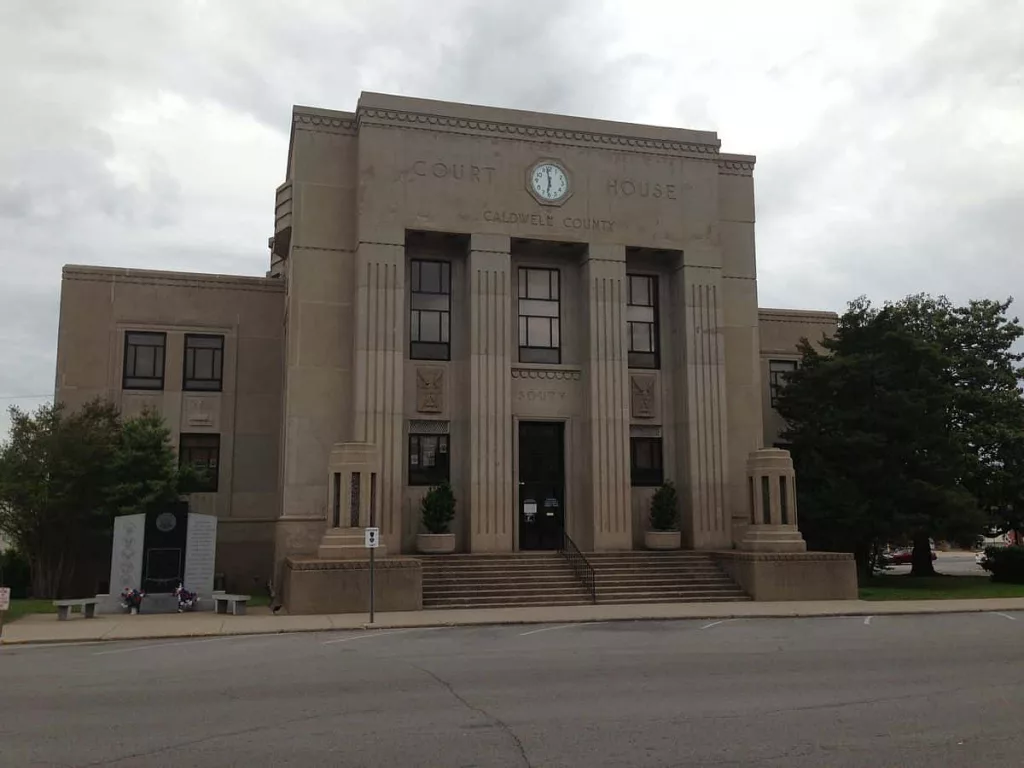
(419, 120)
(546, 373)
(324, 124)
(735, 167)
(173, 279)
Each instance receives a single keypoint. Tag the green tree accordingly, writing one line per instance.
(65, 475)
(878, 453)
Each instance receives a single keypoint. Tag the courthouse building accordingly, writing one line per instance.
(553, 314)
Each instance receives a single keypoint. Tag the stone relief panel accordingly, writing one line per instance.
(643, 400)
(201, 412)
(546, 391)
(430, 389)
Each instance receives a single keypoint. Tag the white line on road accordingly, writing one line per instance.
(561, 626)
(1007, 616)
(167, 645)
(716, 623)
(867, 621)
(379, 633)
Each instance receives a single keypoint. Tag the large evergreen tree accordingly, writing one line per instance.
(908, 425)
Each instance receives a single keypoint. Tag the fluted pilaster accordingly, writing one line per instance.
(607, 381)
(379, 359)
(491, 499)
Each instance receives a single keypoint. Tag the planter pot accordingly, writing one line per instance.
(663, 540)
(435, 543)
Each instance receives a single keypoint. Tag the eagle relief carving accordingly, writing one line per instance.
(642, 397)
(430, 390)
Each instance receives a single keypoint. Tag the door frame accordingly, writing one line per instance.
(567, 453)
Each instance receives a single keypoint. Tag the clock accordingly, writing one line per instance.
(548, 182)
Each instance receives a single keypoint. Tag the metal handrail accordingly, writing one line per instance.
(580, 565)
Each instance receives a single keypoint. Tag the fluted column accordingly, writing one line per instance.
(701, 415)
(491, 500)
(379, 362)
(607, 378)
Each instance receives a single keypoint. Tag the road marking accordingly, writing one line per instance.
(867, 621)
(716, 623)
(168, 645)
(1007, 616)
(379, 633)
(560, 626)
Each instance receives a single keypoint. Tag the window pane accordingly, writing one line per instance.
(640, 290)
(145, 362)
(554, 284)
(522, 283)
(428, 446)
(203, 364)
(414, 325)
(446, 277)
(415, 275)
(538, 308)
(204, 342)
(555, 333)
(445, 321)
(438, 302)
(430, 277)
(538, 332)
(640, 314)
(640, 337)
(430, 326)
(538, 284)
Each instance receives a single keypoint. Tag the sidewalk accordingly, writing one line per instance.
(44, 628)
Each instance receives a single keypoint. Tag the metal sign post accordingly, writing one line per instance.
(371, 541)
(5, 605)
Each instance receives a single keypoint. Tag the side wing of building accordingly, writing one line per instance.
(205, 351)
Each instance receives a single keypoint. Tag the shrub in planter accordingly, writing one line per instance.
(1006, 564)
(438, 508)
(664, 515)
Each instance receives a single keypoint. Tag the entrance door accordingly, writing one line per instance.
(541, 484)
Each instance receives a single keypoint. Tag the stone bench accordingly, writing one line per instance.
(233, 604)
(66, 607)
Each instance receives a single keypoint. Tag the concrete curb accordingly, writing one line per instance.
(853, 611)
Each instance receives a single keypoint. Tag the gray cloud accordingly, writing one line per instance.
(888, 135)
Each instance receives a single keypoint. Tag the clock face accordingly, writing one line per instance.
(549, 182)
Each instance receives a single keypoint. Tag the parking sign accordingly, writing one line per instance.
(5, 598)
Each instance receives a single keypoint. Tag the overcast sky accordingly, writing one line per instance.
(889, 135)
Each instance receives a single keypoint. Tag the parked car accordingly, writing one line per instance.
(903, 557)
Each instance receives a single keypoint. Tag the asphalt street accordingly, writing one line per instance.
(904, 691)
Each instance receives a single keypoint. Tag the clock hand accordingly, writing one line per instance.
(549, 180)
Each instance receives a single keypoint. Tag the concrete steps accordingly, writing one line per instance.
(535, 579)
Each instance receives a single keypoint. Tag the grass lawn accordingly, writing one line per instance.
(21, 608)
(936, 588)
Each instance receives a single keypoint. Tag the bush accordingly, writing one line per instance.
(664, 508)
(14, 573)
(1006, 564)
(438, 508)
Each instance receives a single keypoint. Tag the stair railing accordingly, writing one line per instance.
(580, 565)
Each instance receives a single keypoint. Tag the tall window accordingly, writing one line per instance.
(539, 327)
(430, 310)
(645, 466)
(202, 452)
(428, 459)
(778, 370)
(144, 360)
(642, 318)
(204, 362)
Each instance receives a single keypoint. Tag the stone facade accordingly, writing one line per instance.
(442, 275)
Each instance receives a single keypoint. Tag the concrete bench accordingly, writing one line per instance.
(233, 604)
(66, 607)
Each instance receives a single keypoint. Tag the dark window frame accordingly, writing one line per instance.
(129, 373)
(646, 476)
(199, 454)
(532, 353)
(440, 472)
(776, 378)
(645, 359)
(193, 383)
(430, 350)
